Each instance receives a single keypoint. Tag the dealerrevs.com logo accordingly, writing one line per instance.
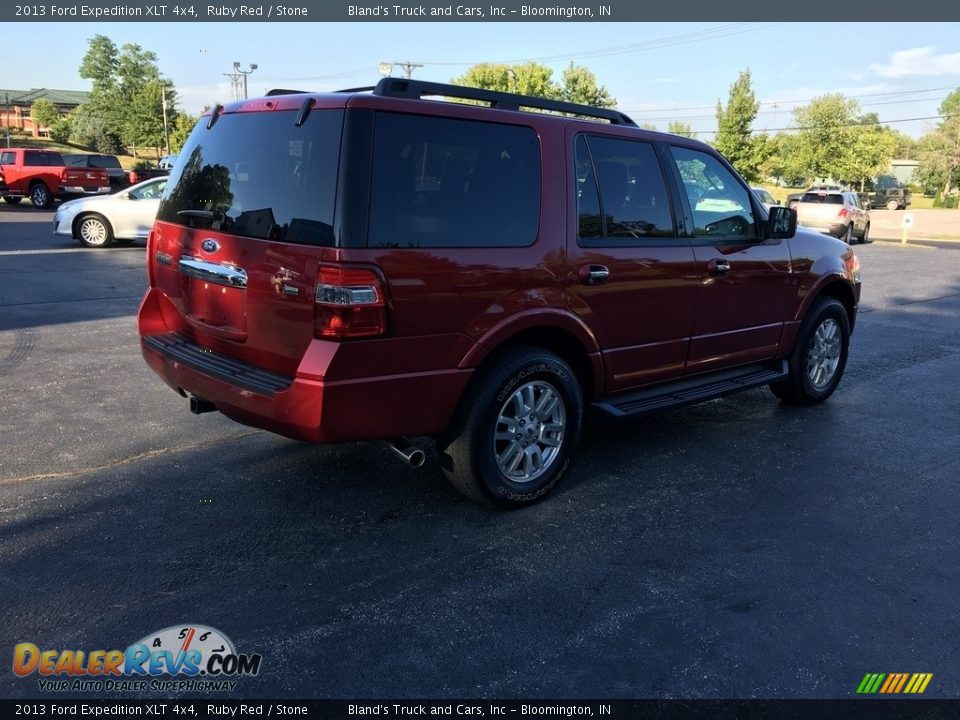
(196, 656)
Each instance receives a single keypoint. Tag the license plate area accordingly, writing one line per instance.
(215, 297)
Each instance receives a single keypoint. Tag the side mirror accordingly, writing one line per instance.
(782, 223)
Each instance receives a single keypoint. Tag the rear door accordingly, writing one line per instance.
(243, 228)
(630, 277)
(744, 281)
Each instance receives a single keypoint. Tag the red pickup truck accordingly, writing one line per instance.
(43, 176)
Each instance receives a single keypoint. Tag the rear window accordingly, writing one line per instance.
(822, 198)
(104, 161)
(257, 175)
(441, 182)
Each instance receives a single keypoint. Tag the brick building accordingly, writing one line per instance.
(15, 106)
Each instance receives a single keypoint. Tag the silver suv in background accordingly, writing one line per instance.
(835, 212)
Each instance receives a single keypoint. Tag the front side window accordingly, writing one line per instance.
(258, 175)
(442, 182)
(719, 202)
(621, 192)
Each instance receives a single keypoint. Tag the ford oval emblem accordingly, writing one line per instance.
(210, 245)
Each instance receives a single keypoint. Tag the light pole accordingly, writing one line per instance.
(166, 131)
(238, 71)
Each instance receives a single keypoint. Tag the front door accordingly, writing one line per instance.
(744, 281)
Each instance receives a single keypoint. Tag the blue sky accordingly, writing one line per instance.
(657, 71)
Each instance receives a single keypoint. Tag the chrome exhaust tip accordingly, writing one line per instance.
(414, 456)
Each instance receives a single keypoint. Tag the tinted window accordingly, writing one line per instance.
(633, 194)
(719, 202)
(104, 161)
(438, 182)
(40, 158)
(589, 221)
(75, 160)
(822, 198)
(8, 158)
(257, 174)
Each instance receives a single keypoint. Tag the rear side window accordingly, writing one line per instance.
(34, 158)
(441, 182)
(621, 192)
(822, 198)
(257, 175)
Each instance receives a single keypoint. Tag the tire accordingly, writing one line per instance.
(40, 196)
(819, 356)
(893, 205)
(865, 238)
(503, 451)
(94, 231)
(847, 236)
(10, 200)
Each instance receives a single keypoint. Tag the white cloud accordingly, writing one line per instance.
(919, 61)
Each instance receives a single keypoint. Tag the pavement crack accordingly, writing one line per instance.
(129, 460)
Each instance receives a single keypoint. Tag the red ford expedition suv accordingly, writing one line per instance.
(364, 265)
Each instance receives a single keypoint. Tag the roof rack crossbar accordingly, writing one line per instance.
(401, 87)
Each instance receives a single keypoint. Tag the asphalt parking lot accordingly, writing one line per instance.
(734, 549)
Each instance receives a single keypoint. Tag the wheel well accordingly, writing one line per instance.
(842, 292)
(563, 344)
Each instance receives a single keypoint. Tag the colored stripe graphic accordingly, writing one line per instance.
(894, 683)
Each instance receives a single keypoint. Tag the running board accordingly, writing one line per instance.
(636, 403)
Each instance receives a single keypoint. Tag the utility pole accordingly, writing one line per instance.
(408, 68)
(234, 85)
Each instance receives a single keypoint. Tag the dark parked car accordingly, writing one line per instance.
(897, 198)
(375, 265)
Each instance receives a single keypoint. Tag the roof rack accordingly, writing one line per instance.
(416, 89)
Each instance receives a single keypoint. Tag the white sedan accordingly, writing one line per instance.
(124, 216)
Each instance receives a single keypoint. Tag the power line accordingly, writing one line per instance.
(795, 102)
(845, 125)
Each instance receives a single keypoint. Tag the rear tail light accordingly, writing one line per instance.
(150, 258)
(852, 264)
(349, 303)
(843, 213)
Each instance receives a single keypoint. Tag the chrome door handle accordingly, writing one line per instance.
(593, 274)
(718, 267)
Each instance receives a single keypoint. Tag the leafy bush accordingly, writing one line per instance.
(60, 130)
(945, 201)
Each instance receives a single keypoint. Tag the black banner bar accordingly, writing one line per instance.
(474, 11)
(853, 709)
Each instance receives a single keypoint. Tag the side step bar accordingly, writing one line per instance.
(637, 403)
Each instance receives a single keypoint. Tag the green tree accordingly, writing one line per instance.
(144, 126)
(783, 163)
(100, 63)
(180, 129)
(124, 89)
(825, 135)
(735, 139)
(44, 113)
(580, 86)
(88, 128)
(678, 127)
(528, 79)
(939, 151)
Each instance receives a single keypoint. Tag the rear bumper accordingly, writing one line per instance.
(72, 191)
(302, 406)
(830, 228)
